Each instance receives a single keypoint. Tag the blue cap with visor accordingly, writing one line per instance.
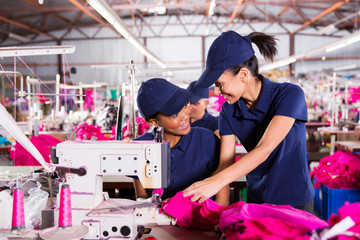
(158, 95)
(199, 92)
(228, 50)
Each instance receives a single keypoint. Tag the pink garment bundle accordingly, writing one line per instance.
(354, 94)
(267, 221)
(340, 170)
(241, 220)
(191, 214)
(43, 144)
(85, 131)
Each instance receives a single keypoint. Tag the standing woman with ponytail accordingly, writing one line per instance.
(269, 120)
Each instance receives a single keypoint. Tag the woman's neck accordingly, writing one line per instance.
(252, 95)
(173, 139)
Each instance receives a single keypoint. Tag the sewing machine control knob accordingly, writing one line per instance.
(148, 153)
(125, 230)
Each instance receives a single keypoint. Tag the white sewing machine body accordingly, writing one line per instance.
(148, 160)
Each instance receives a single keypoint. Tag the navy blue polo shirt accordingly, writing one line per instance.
(208, 121)
(194, 158)
(283, 178)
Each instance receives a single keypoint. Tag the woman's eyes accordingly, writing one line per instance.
(173, 116)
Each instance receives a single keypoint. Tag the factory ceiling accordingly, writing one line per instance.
(150, 18)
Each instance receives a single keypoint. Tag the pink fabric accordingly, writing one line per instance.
(191, 214)
(143, 126)
(86, 131)
(267, 221)
(340, 170)
(241, 220)
(351, 210)
(43, 144)
(218, 103)
(354, 94)
(159, 191)
(89, 100)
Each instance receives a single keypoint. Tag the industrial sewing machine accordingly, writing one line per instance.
(83, 165)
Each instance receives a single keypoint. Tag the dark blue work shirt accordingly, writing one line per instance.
(194, 158)
(208, 121)
(283, 178)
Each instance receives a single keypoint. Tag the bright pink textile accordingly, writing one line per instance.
(241, 220)
(191, 214)
(43, 144)
(351, 210)
(218, 103)
(267, 221)
(86, 131)
(340, 170)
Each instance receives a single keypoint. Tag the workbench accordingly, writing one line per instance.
(338, 134)
(352, 146)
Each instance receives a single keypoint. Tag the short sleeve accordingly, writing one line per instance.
(224, 126)
(291, 103)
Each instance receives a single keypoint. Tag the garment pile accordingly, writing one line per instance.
(340, 170)
(242, 220)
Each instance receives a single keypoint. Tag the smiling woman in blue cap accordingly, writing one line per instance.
(194, 151)
(269, 120)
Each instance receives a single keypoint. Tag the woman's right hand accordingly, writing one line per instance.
(203, 190)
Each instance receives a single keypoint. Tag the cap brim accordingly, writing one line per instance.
(177, 102)
(194, 99)
(209, 77)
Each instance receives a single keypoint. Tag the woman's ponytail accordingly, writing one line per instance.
(267, 47)
(266, 44)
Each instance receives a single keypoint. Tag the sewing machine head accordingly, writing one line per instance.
(83, 164)
(148, 160)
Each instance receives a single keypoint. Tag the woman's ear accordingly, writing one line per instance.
(243, 74)
(153, 122)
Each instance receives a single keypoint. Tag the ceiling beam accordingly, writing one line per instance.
(85, 10)
(35, 3)
(327, 11)
(233, 15)
(26, 26)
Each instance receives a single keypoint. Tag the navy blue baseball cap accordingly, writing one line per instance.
(228, 50)
(198, 92)
(158, 95)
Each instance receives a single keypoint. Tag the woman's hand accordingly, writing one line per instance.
(203, 190)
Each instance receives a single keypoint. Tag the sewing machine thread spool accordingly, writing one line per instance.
(65, 218)
(18, 216)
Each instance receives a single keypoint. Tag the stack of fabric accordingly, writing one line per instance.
(340, 170)
(263, 221)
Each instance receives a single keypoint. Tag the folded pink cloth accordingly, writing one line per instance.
(231, 219)
(191, 214)
(267, 221)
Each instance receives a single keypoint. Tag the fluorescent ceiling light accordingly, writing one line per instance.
(211, 8)
(333, 25)
(343, 42)
(110, 15)
(34, 51)
(335, 47)
(278, 64)
(19, 38)
(346, 67)
(326, 29)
